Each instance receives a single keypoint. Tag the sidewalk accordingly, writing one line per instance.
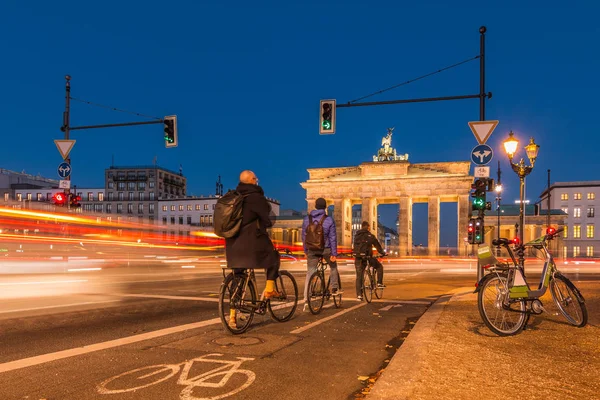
(451, 354)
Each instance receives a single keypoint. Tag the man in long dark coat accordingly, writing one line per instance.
(252, 248)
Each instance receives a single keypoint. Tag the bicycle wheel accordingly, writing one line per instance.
(378, 291)
(337, 300)
(233, 297)
(282, 308)
(316, 293)
(368, 286)
(503, 316)
(568, 300)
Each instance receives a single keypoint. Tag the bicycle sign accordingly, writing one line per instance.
(144, 377)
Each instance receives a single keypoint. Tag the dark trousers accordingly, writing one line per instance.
(360, 263)
(272, 269)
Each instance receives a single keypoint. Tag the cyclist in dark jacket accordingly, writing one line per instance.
(363, 250)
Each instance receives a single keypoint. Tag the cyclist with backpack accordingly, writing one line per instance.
(242, 218)
(320, 240)
(363, 248)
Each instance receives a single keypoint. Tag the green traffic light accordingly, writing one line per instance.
(478, 237)
(326, 124)
(479, 203)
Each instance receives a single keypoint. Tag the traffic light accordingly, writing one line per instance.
(74, 200)
(59, 199)
(478, 195)
(170, 124)
(471, 231)
(327, 117)
(478, 234)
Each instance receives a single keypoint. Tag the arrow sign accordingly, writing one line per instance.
(64, 170)
(64, 146)
(483, 129)
(482, 154)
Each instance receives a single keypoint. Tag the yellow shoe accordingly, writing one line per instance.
(273, 293)
(232, 323)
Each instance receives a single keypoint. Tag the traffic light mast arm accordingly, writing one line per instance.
(158, 121)
(423, 100)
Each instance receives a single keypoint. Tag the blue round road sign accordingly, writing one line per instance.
(482, 154)
(64, 170)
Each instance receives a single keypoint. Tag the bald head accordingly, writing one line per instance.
(248, 176)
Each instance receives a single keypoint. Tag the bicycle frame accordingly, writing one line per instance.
(248, 275)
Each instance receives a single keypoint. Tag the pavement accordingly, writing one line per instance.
(451, 354)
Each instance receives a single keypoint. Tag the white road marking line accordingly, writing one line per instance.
(58, 306)
(83, 269)
(166, 297)
(44, 358)
(41, 282)
(319, 322)
(414, 302)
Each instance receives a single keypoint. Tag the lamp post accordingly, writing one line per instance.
(498, 190)
(522, 170)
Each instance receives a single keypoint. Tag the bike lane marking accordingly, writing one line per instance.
(45, 358)
(319, 322)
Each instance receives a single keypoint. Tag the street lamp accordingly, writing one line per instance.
(522, 170)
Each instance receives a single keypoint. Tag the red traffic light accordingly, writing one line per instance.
(59, 198)
(471, 229)
(515, 241)
(550, 230)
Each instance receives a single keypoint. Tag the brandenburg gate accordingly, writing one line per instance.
(391, 179)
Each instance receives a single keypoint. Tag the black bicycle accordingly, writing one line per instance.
(318, 292)
(370, 279)
(238, 302)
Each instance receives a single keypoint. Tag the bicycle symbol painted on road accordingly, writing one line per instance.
(147, 376)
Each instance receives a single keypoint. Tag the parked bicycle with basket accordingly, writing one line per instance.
(505, 299)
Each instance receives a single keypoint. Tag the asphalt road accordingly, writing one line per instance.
(153, 332)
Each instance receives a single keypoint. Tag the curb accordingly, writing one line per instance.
(399, 378)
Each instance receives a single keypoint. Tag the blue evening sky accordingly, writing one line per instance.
(245, 80)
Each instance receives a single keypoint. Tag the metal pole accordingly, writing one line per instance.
(65, 128)
(498, 207)
(548, 211)
(482, 96)
(521, 218)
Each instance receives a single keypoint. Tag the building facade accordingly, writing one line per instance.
(578, 200)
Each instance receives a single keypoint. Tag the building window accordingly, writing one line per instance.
(180, 220)
(213, 206)
(142, 196)
(591, 196)
(131, 186)
(119, 208)
(28, 197)
(19, 197)
(576, 251)
(565, 252)
(6, 196)
(210, 220)
(590, 212)
(141, 185)
(577, 212)
(130, 196)
(39, 197)
(109, 208)
(151, 196)
(577, 196)
(181, 207)
(100, 196)
(172, 208)
(198, 207)
(566, 232)
(164, 220)
(189, 207)
(120, 185)
(98, 208)
(589, 251)
(151, 208)
(164, 208)
(189, 220)
(48, 196)
(577, 231)
(172, 220)
(202, 220)
(564, 196)
(121, 196)
(140, 208)
(590, 231)
(206, 206)
(110, 196)
(111, 185)
(90, 196)
(129, 208)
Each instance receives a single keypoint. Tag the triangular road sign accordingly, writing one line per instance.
(64, 146)
(483, 129)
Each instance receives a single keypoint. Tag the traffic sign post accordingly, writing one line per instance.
(483, 129)
(482, 154)
(64, 170)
